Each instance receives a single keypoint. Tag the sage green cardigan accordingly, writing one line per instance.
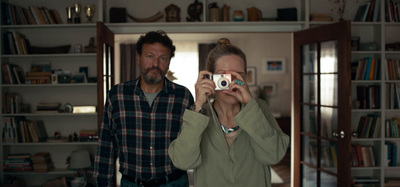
(202, 146)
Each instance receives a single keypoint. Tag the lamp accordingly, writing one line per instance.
(79, 161)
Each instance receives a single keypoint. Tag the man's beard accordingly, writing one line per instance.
(150, 78)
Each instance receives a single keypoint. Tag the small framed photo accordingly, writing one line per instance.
(79, 78)
(251, 77)
(268, 89)
(273, 65)
(54, 78)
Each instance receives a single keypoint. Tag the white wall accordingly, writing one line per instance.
(257, 47)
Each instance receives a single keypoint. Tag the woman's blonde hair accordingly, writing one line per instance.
(224, 48)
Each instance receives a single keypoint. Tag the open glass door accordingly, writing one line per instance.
(105, 65)
(322, 106)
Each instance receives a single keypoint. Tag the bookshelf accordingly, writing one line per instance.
(370, 96)
(49, 45)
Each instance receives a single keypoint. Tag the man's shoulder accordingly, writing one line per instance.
(177, 87)
(123, 86)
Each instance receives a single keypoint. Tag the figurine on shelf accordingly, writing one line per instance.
(194, 10)
(172, 13)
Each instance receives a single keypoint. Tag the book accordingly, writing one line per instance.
(361, 126)
(370, 11)
(33, 132)
(41, 129)
(360, 157)
(19, 74)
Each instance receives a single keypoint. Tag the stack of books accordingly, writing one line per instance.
(48, 107)
(18, 162)
(42, 162)
(38, 77)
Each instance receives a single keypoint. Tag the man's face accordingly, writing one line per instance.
(154, 62)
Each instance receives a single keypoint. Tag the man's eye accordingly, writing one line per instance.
(163, 59)
(150, 56)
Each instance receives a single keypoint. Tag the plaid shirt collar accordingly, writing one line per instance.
(167, 89)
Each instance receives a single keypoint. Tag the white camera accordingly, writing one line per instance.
(222, 81)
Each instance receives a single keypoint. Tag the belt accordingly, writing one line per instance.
(155, 182)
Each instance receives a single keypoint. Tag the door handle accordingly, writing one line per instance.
(337, 135)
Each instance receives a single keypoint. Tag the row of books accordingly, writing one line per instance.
(392, 95)
(366, 69)
(33, 15)
(391, 11)
(368, 97)
(369, 126)
(392, 128)
(12, 74)
(392, 69)
(362, 156)
(21, 130)
(329, 155)
(368, 12)
(391, 149)
(11, 103)
(16, 43)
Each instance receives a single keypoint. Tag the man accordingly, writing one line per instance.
(141, 118)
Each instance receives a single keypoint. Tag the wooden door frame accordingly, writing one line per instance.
(105, 65)
(341, 32)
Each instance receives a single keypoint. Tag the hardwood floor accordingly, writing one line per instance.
(283, 170)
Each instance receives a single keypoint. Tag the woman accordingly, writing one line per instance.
(237, 138)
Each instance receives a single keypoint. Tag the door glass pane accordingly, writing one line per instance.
(310, 89)
(309, 119)
(309, 58)
(328, 180)
(309, 150)
(329, 121)
(309, 176)
(329, 89)
(329, 156)
(329, 58)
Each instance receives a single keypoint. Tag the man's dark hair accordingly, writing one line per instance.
(154, 37)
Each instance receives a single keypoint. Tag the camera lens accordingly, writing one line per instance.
(223, 83)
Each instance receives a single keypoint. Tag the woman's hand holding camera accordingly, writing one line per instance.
(204, 87)
(238, 88)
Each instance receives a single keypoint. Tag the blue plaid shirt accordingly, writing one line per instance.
(137, 133)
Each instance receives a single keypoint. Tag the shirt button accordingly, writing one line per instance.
(151, 147)
(151, 163)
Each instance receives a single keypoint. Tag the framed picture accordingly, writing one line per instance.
(251, 77)
(273, 65)
(268, 89)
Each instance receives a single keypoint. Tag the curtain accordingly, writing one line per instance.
(204, 49)
(129, 70)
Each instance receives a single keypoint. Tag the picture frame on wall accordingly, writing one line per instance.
(274, 65)
(268, 89)
(251, 77)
